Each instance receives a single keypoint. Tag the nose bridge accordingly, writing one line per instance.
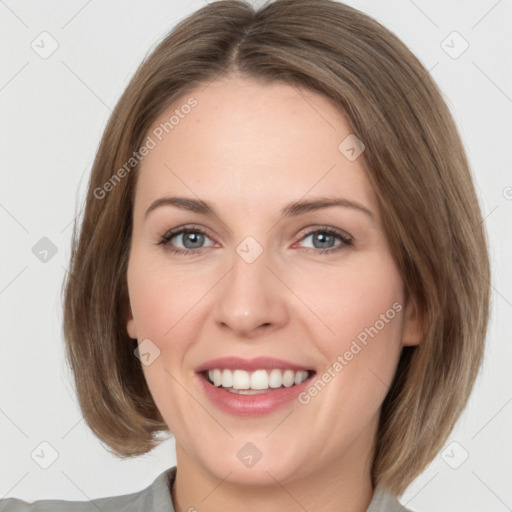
(250, 296)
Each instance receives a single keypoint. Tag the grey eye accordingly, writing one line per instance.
(191, 239)
(322, 240)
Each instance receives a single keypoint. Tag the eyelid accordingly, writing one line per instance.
(188, 227)
(171, 233)
(314, 228)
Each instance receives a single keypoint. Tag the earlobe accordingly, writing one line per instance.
(131, 328)
(412, 331)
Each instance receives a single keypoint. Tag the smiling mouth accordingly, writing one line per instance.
(256, 382)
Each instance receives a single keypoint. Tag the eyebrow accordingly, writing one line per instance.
(291, 210)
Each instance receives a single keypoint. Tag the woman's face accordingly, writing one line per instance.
(272, 273)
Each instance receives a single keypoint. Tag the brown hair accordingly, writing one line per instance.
(418, 169)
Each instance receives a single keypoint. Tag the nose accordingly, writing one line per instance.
(251, 300)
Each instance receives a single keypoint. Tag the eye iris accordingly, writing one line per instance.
(196, 239)
(323, 239)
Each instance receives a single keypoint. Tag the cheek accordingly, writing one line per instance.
(163, 308)
(166, 306)
(347, 300)
(363, 307)
(162, 299)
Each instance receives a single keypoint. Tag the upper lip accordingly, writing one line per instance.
(258, 363)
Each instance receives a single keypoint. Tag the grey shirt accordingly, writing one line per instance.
(156, 497)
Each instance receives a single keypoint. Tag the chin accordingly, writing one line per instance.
(255, 463)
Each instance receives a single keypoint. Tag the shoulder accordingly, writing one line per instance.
(155, 497)
(384, 501)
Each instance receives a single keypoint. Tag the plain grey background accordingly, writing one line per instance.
(63, 67)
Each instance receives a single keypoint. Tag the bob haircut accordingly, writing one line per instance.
(416, 164)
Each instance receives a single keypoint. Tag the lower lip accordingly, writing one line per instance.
(252, 405)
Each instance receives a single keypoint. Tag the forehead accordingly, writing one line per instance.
(253, 142)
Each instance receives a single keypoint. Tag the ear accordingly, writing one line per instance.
(412, 330)
(131, 328)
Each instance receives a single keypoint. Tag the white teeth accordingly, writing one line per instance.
(217, 377)
(299, 378)
(227, 379)
(288, 378)
(235, 380)
(275, 379)
(241, 379)
(259, 380)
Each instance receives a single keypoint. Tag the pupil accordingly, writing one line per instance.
(196, 240)
(323, 240)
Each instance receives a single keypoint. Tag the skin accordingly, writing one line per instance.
(249, 149)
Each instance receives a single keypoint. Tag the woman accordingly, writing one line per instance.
(282, 262)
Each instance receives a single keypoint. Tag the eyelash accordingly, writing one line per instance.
(346, 241)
